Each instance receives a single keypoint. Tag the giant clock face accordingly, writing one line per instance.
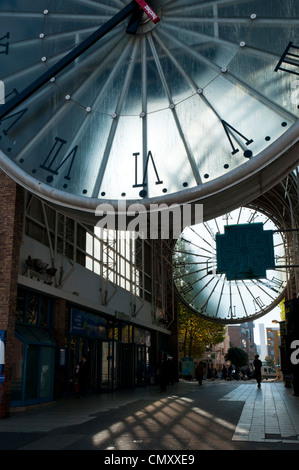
(215, 295)
(178, 110)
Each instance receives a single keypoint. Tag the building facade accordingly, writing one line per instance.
(273, 344)
(241, 336)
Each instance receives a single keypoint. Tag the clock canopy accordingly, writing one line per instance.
(200, 106)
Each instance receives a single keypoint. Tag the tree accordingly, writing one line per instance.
(269, 360)
(282, 310)
(196, 333)
(237, 356)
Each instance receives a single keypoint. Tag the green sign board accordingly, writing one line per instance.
(245, 251)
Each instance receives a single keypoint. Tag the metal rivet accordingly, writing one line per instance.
(67, 97)
(199, 91)
(224, 69)
(242, 43)
(88, 109)
(114, 115)
(253, 16)
(46, 12)
(43, 59)
(142, 114)
(41, 35)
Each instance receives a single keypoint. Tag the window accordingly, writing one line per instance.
(34, 308)
(121, 259)
(111, 254)
(51, 228)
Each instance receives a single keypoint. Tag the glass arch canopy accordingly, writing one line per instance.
(164, 113)
(211, 294)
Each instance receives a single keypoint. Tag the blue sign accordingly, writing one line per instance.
(187, 365)
(245, 251)
(87, 324)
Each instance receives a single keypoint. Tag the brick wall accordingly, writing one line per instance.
(11, 213)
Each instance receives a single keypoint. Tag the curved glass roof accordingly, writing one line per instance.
(214, 295)
(168, 109)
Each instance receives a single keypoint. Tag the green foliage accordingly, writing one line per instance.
(282, 310)
(269, 361)
(237, 356)
(196, 333)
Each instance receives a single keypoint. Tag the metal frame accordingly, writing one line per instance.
(117, 258)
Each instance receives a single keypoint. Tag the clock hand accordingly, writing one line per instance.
(137, 16)
(75, 53)
(147, 9)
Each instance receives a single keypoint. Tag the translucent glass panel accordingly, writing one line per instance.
(46, 372)
(143, 115)
(112, 255)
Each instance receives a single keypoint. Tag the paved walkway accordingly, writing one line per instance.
(187, 412)
(270, 413)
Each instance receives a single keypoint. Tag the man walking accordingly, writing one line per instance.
(257, 364)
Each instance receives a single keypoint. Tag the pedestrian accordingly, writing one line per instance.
(171, 370)
(200, 372)
(230, 372)
(224, 372)
(82, 376)
(257, 364)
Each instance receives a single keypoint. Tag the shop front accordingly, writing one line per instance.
(34, 358)
(88, 337)
(34, 350)
(118, 353)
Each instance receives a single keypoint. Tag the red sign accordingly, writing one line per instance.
(147, 9)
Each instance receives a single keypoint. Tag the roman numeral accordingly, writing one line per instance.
(144, 183)
(290, 57)
(258, 301)
(186, 288)
(228, 130)
(4, 45)
(12, 119)
(56, 158)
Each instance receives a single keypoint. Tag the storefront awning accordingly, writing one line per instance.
(34, 335)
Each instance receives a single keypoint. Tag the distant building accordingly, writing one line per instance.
(263, 348)
(273, 343)
(241, 336)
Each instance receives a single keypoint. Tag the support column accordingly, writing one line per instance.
(60, 385)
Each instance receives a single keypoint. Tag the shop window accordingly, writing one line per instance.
(34, 308)
(46, 372)
(44, 311)
(125, 333)
(20, 308)
(33, 365)
(113, 330)
(32, 372)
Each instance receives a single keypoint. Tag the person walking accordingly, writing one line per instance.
(200, 372)
(257, 364)
(163, 373)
